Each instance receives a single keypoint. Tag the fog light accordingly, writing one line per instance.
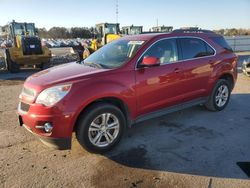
(48, 127)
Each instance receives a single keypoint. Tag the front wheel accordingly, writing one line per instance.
(220, 96)
(100, 127)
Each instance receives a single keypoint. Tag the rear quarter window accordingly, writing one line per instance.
(222, 43)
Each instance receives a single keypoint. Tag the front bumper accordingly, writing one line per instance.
(55, 143)
(35, 116)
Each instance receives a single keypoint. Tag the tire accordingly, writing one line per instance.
(93, 118)
(220, 96)
(11, 65)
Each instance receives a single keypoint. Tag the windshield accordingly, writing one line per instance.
(111, 29)
(30, 30)
(21, 30)
(114, 54)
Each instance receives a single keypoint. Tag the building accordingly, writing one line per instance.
(132, 30)
(162, 29)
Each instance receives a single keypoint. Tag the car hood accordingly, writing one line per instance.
(69, 72)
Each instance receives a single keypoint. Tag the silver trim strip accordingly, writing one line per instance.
(27, 128)
(39, 127)
(177, 37)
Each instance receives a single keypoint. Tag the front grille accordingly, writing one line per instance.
(28, 92)
(24, 107)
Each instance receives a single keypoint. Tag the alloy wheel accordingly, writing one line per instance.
(104, 129)
(221, 96)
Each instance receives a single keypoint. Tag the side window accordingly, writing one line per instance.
(193, 48)
(165, 50)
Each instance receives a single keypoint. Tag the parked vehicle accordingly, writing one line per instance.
(26, 48)
(246, 67)
(129, 80)
(104, 33)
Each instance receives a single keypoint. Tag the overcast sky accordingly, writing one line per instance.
(207, 14)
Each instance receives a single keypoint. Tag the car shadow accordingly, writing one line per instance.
(192, 141)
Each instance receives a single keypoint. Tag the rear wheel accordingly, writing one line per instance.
(220, 96)
(100, 128)
(12, 66)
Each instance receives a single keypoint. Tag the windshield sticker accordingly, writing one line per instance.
(135, 42)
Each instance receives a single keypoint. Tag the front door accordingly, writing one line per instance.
(159, 86)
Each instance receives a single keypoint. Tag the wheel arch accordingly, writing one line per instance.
(110, 100)
(229, 77)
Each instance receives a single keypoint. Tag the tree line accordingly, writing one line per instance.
(62, 32)
(84, 32)
(233, 32)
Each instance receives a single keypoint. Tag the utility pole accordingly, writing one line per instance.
(116, 11)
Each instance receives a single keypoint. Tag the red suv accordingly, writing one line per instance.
(127, 81)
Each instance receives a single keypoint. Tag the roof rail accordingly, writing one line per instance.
(192, 31)
(153, 32)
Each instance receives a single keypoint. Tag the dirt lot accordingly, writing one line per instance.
(190, 148)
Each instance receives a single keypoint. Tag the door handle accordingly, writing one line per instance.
(176, 70)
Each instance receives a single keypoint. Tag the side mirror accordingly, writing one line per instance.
(150, 62)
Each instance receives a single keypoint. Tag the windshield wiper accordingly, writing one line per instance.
(79, 61)
(92, 64)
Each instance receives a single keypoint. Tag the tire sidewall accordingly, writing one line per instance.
(89, 116)
(11, 65)
(218, 84)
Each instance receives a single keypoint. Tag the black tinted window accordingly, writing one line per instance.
(193, 48)
(164, 50)
(222, 42)
(210, 51)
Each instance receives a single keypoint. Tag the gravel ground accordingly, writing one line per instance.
(190, 148)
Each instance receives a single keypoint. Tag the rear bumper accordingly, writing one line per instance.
(18, 57)
(32, 59)
(55, 143)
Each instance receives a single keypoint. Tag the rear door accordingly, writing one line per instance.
(197, 59)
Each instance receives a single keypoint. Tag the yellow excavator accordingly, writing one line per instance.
(103, 34)
(26, 47)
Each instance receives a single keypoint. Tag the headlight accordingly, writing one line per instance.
(52, 95)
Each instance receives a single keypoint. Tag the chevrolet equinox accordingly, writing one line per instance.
(127, 81)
